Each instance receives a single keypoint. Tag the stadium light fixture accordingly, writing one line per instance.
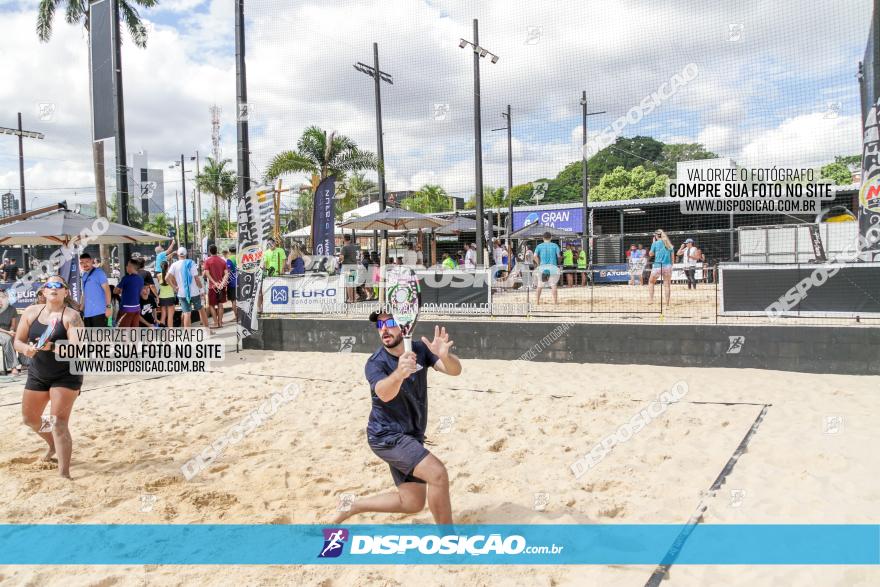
(479, 53)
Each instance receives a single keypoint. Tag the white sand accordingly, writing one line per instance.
(517, 428)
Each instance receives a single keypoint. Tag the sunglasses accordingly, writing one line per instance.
(389, 323)
(55, 285)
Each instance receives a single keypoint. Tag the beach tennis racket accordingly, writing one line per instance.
(44, 338)
(403, 299)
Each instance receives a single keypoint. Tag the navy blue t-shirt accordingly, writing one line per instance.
(407, 413)
(131, 286)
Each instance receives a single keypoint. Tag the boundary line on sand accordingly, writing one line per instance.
(662, 570)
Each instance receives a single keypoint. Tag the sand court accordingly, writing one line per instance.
(508, 433)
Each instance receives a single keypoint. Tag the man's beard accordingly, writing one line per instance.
(395, 340)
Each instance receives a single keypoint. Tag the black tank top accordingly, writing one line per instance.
(44, 364)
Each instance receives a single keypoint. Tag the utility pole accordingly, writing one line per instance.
(20, 133)
(587, 232)
(508, 127)
(119, 128)
(183, 198)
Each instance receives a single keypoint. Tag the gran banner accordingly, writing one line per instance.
(255, 221)
(323, 218)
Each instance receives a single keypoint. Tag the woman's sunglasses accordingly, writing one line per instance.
(389, 323)
(55, 285)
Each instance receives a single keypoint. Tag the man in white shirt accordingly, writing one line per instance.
(470, 257)
(183, 276)
(410, 258)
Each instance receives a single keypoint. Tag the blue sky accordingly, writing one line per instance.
(776, 83)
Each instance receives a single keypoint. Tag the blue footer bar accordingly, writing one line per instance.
(634, 544)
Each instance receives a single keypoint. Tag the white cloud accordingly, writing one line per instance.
(805, 141)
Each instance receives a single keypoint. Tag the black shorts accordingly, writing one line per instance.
(35, 383)
(99, 321)
(402, 453)
(167, 302)
(230, 293)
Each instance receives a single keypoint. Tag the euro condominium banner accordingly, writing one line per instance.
(322, 217)
(255, 221)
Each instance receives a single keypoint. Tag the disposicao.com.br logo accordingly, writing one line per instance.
(429, 544)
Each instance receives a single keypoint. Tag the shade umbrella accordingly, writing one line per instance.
(62, 227)
(461, 224)
(392, 219)
(537, 231)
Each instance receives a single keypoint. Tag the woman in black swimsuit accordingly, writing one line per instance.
(49, 380)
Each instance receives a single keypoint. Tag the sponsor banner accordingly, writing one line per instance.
(322, 218)
(521, 544)
(869, 193)
(301, 294)
(255, 221)
(70, 273)
(569, 219)
(616, 273)
(22, 296)
(451, 292)
(619, 273)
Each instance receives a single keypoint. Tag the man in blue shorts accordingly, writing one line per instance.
(396, 429)
(549, 255)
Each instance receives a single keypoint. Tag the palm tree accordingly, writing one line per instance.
(322, 155)
(157, 224)
(352, 191)
(220, 182)
(77, 12)
(429, 198)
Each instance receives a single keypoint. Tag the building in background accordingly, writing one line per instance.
(8, 205)
(146, 186)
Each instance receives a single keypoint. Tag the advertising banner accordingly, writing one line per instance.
(302, 294)
(22, 296)
(255, 220)
(322, 218)
(568, 219)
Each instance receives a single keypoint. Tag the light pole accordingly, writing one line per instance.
(378, 76)
(183, 196)
(21, 134)
(506, 116)
(478, 146)
(587, 232)
(197, 211)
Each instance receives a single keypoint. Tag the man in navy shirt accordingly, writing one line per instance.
(396, 429)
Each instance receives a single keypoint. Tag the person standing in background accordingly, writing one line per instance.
(96, 308)
(129, 289)
(216, 275)
(162, 256)
(568, 265)
(232, 282)
(273, 258)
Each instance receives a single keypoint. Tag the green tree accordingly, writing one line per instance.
(624, 184)
(429, 198)
(628, 153)
(321, 155)
(352, 192)
(848, 159)
(135, 218)
(157, 224)
(675, 153)
(837, 172)
(220, 182)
